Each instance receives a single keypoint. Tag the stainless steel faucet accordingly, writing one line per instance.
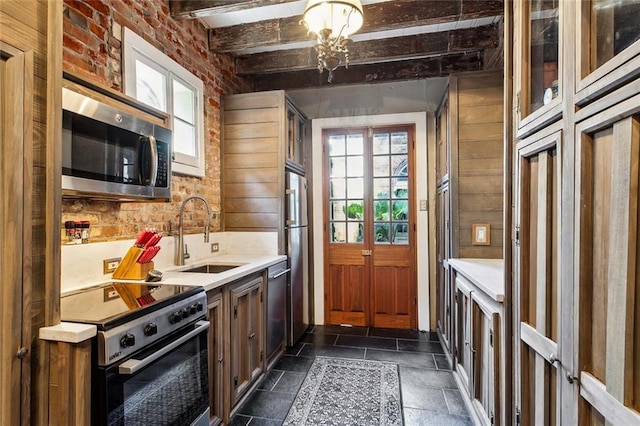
(181, 252)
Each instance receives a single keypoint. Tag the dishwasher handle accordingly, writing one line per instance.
(279, 274)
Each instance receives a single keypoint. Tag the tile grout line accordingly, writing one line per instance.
(276, 383)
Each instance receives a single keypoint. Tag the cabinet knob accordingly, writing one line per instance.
(22, 353)
(252, 335)
(220, 360)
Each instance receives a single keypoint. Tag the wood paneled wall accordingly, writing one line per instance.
(253, 178)
(476, 104)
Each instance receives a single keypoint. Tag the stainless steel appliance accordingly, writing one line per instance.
(110, 153)
(297, 236)
(149, 359)
(276, 307)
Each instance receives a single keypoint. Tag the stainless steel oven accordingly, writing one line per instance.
(150, 359)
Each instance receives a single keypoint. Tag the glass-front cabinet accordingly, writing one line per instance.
(539, 61)
(608, 46)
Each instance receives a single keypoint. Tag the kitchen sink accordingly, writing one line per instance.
(211, 269)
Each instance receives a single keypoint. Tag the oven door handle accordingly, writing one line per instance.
(132, 366)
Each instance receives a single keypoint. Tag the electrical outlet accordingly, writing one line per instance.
(215, 247)
(110, 265)
(423, 205)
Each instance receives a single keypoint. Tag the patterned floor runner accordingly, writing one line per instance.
(348, 392)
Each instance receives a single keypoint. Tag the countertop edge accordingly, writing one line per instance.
(486, 274)
(69, 332)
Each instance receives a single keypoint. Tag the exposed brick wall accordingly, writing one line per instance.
(92, 35)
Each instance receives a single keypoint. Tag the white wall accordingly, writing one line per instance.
(420, 121)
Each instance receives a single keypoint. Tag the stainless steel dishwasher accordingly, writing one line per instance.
(276, 308)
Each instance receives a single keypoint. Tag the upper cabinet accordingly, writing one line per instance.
(296, 134)
(538, 64)
(608, 46)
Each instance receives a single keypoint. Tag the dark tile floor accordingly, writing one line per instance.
(429, 392)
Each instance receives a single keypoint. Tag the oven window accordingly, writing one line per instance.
(170, 391)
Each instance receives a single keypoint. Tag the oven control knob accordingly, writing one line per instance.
(150, 329)
(127, 340)
(184, 312)
(199, 306)
(193, 309)
(175, 317)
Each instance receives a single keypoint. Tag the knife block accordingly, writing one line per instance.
(138, 271)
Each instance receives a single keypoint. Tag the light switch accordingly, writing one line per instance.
(423, 205)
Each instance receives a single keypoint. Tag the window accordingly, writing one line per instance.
(157, 80)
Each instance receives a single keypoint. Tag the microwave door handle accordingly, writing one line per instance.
(148, 172)
(154, 160)
(132, 366)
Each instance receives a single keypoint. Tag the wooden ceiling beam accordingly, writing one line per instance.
(372, 73)
(189, 9)
(391, 15)
(383, 50)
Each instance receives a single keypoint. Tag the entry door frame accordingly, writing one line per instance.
(424, 142)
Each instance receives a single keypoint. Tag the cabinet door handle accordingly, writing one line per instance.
(220, 360)
(252, 335)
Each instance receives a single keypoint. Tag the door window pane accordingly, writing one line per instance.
(381, 165)
(380, 143)
(381, 232)
(399, 143)
(355, 188)
(338, 210)
(381, 210)
(336, 145)
(338, 188)
(401, 233)
(355, 145)
(355, 232)
(355, 209)
(338, 232)
(337, 167)
(381, 188)
(543, 59)
(355, 166)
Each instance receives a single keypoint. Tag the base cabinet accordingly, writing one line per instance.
(247, 335)
(478, 356)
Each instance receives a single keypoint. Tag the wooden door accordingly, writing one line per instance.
(369, 227)
(538, 372)
(246, 336)
(15, 234)
(608, 318)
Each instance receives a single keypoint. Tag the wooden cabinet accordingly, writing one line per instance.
(217, 336)
(246, 316)
(576, 201)
(263, 134)
(469, 170)
(479, 342)
(296, 135)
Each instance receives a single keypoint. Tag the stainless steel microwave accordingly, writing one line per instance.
(111, 153)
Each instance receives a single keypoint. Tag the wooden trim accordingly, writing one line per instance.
(432, 221)
(610, 100)
(610, 115)
(622, 257)
(595, 393)
(452, 159)
(542, 345)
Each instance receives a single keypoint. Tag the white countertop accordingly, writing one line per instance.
(248, 265)
(486, 274)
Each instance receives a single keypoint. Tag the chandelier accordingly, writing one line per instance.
(332, 22)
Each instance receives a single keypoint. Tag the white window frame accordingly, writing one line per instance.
(135, 47)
